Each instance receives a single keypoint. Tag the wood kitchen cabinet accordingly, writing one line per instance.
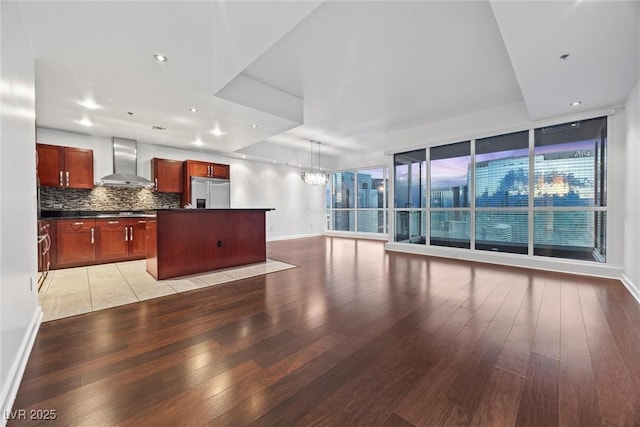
(75, 242)
(137, 238)
(167, 175)
(206, 169)
(201, 169)
(120, 239)
(65, 167)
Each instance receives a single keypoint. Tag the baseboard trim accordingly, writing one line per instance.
(294, 236)
(356, 235)
(633, 290)
(12, 382)
(582, 268)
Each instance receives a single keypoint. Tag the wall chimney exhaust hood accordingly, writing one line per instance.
(125, 166)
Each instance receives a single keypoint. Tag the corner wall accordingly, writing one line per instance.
(631, 274)
(20, 312)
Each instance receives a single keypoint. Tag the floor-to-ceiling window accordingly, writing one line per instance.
(502, 193)
(357, 201)
(539, 192)
(410, 192)
(570, 190)
(450, 209)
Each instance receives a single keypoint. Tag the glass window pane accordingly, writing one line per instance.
(569, 166)
(502, 170)
(450, 175)
(450, 228)
(410, 179)
(371, 188)
(343, 220)
(343, 189)
(371, 221)
(502, 231)
(410, 227)
(568, 234)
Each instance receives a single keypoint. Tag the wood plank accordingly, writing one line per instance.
(499, 400)
(546, 341)
(617, 397)
(578, 402)
(539, 402)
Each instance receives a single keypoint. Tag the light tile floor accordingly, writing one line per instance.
(80, 290)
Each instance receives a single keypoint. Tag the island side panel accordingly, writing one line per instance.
(197, 241)
(243, 239)
(152, 252)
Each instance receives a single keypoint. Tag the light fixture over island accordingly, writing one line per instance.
(181, 242)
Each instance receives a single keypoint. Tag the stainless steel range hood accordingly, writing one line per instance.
(125, 166)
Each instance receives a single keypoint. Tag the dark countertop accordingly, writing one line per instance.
(44, 215)
(79, 214)
(215, 209)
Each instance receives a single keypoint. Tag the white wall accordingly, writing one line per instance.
(20, 313)
(299, 208)
(491, 121)
(632, 194)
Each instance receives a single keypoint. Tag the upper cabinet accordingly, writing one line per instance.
(201, 169)
(206, 169)
(65, 167)
(167, 175)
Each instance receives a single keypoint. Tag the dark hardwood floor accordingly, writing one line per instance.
(354, 336)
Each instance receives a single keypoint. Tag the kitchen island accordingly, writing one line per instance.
(181, 242)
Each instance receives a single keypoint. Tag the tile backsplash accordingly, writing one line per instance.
(106, 199)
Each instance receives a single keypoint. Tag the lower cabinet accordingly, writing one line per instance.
(120, 239)
(137, 238)
(75, 242)
(86, 242)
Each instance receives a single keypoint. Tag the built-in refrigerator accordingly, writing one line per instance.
(209, 193)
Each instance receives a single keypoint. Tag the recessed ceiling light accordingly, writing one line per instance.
(575, 103)
(274, 161)
(198, 142)
(160, 58)
(217, 132)
(85, 122)
(193, 110)
(90, 104)
(158, 128)
(254, 125)
(244, 156)
(564, 56)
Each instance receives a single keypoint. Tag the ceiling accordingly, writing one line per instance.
(267, 77)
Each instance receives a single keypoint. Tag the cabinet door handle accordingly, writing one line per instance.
(114, 222)
(126, 234)
(79, 223)
(156, 180)
(67, 178)
(92, 236)
(61, 182)
(131, 233)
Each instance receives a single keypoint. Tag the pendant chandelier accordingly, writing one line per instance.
(313, 176)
